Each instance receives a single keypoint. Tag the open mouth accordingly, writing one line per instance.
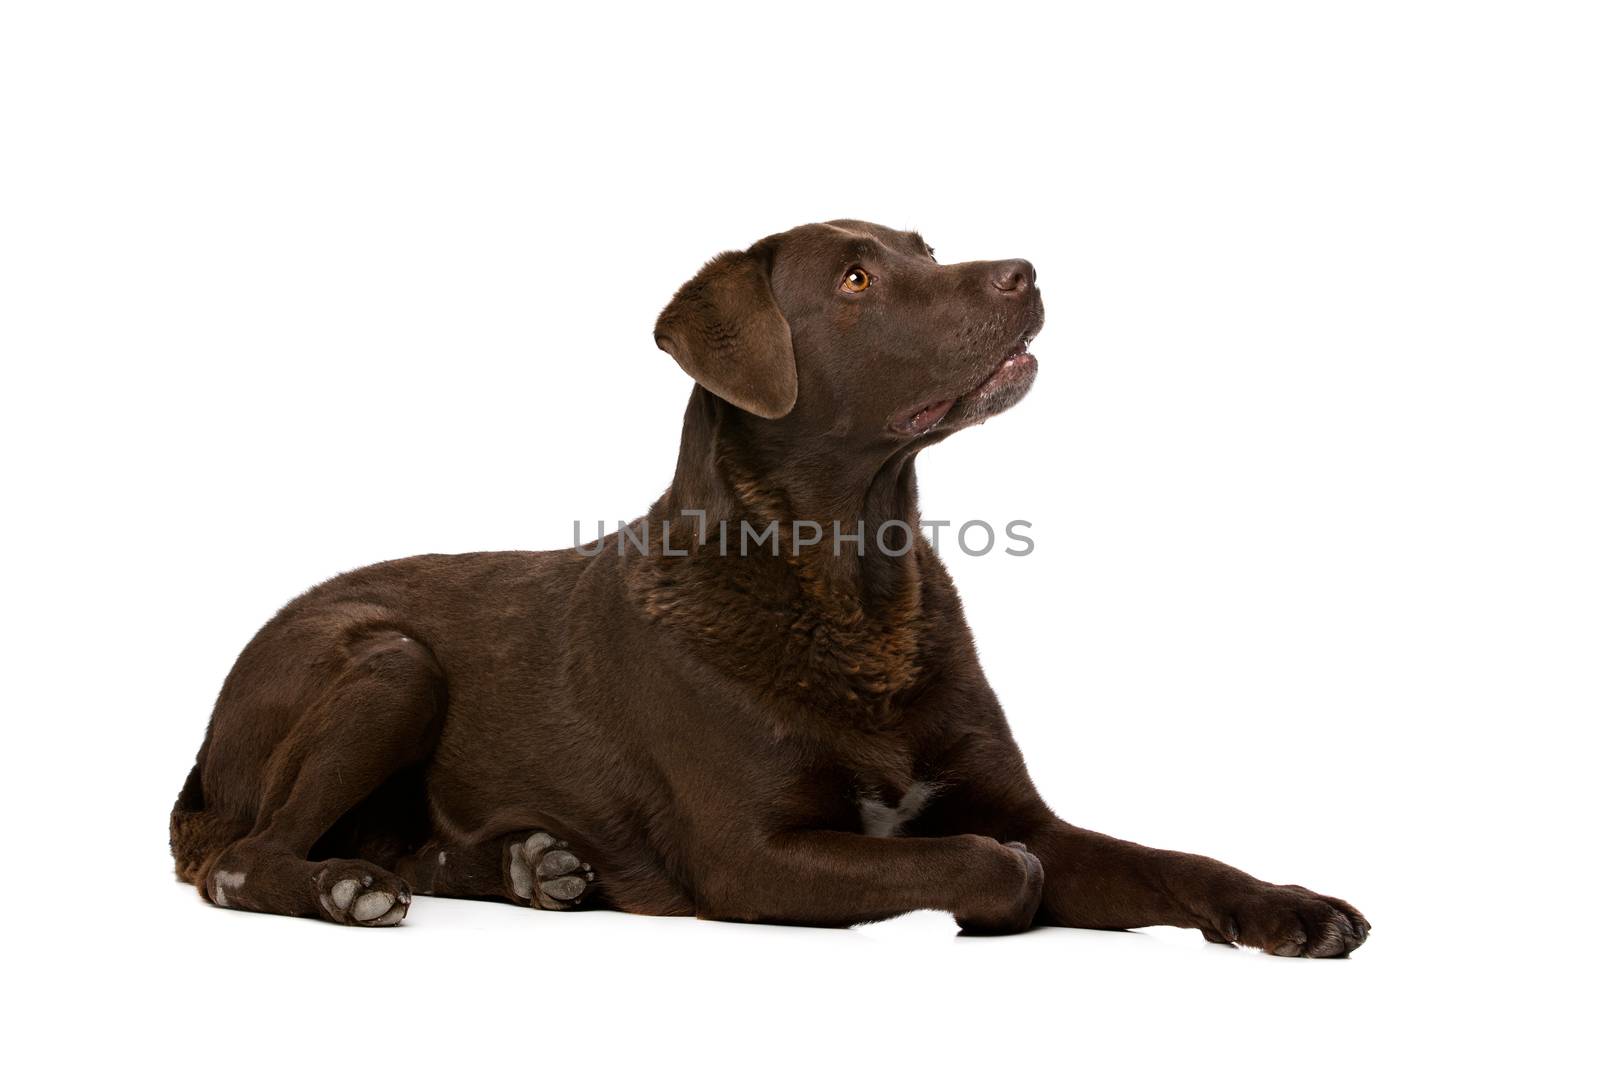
(1004, 386)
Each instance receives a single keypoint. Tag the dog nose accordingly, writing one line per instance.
(1014, 276)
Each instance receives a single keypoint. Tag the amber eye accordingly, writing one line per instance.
(856, 281)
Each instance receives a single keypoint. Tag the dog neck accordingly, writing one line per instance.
(738, 470)
(840, 629)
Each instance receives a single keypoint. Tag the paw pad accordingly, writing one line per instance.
(363, 898)
(546, 874)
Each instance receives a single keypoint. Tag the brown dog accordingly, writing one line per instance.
(714, 711)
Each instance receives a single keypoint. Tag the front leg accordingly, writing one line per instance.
(1092, 880)
(828, 878)
(1099, 882)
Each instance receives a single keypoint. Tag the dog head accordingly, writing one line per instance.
(853, 332)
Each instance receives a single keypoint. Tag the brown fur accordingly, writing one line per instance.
(703, 728)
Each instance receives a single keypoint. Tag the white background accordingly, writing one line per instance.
(1311, 462)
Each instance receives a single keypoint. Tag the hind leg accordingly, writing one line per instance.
(532, 868)
(380, 713)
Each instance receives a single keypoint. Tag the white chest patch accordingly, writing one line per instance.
(880, 820)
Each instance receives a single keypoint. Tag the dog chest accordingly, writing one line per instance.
(882, 819)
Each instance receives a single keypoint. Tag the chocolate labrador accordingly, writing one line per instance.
(714, 711)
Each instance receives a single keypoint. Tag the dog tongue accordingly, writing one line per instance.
(928, 416)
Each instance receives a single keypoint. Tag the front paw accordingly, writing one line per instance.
(1287, 920)
(1012, 898)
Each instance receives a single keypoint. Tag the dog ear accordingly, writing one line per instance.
(725, 329)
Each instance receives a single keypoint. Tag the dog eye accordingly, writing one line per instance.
(856, 281)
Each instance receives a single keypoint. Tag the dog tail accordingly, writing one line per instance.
(194, 833)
